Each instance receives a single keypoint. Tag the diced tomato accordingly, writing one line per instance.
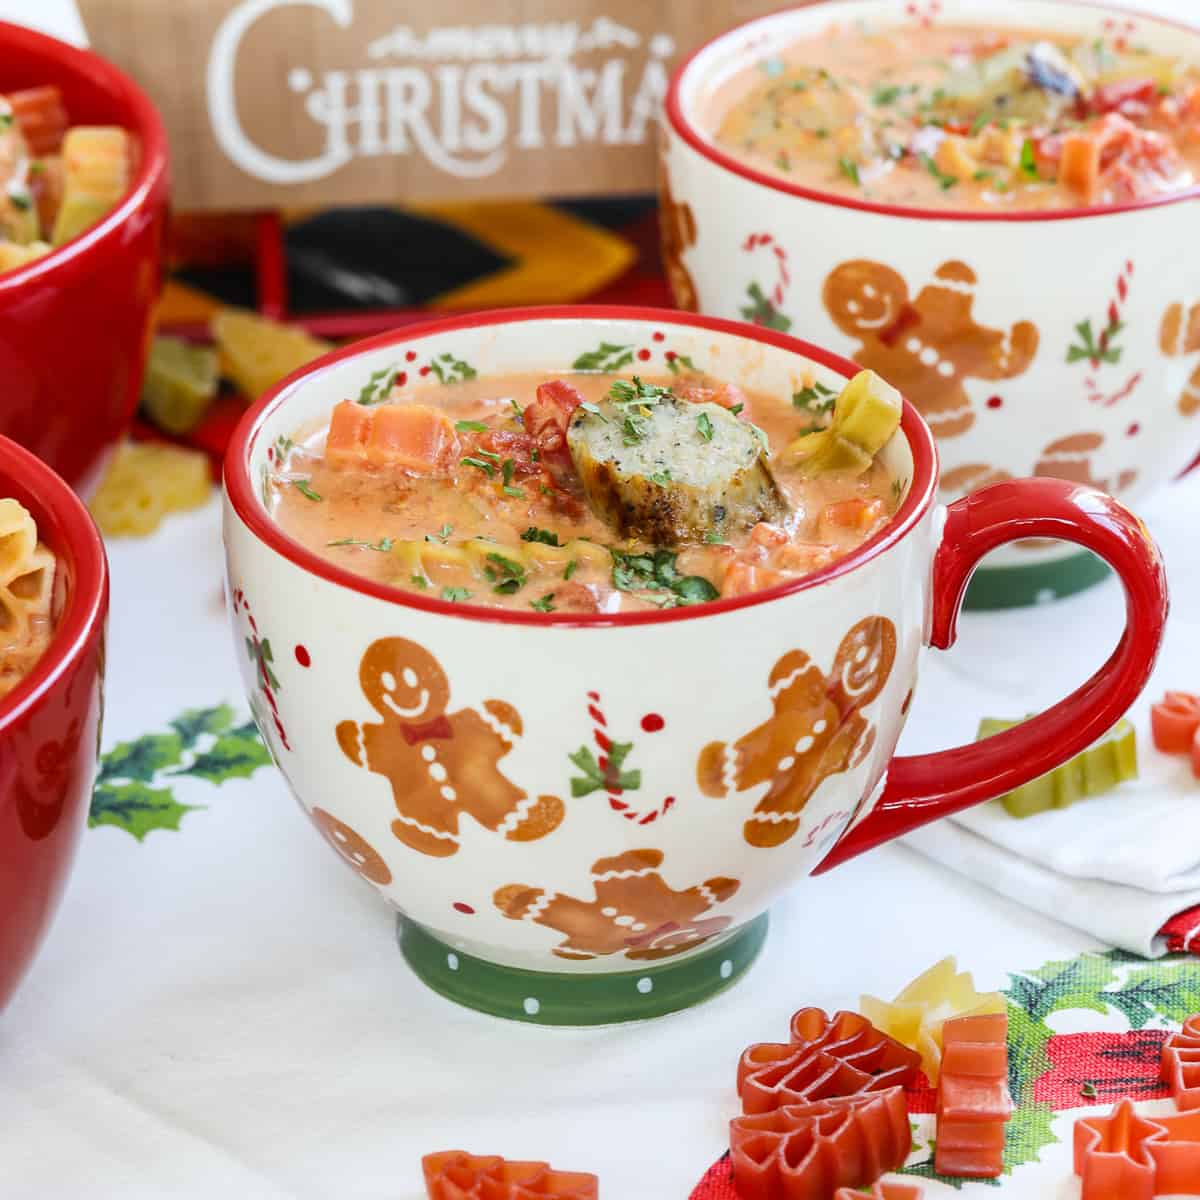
(1116, 153)
(546, 421)
(575, 597)
(855, 513)
(1129, 97)
(413, 436)
(519, 447)
(1174, 722)
(727, 395)
(41, 117)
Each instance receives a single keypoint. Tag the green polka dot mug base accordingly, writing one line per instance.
(553, 998)
(1037, 583)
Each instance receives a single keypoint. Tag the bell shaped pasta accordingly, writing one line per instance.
(26, 592)
(144, 482)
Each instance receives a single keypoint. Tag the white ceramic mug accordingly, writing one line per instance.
(762, 725)
(973, 315)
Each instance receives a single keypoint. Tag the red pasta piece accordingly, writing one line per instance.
(842, 1055)
(1174, 721)
(41, 117)
(1181, 1064)
(806, 1151)
(882, 1191)
(456, 1175)
(973, 1102)
(1127, 1157)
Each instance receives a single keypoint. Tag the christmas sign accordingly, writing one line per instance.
(296, 102)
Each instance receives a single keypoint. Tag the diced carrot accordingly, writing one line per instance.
(41, 117)
(803, 556)
(1079, 166)
(855, 513)
(413, 436)
(764, 534)
(1175, 721)
(742, 578)
(727, 395)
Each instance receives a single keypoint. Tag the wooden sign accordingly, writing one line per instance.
(285, 103)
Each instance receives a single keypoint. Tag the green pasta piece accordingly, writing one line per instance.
(865, 415)
(181, 381)
(1098, 769)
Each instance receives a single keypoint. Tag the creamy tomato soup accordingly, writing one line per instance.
(26, 587)
(966, 118)
(590, 492)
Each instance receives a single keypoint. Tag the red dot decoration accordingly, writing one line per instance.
(670, 356)
(659, 335)
(401, 379)
(303, 657)
(423, 371)
(643, 354)
(995, 402)
(466, 909)
(1133, 430)
(410, 356)
(652, 722)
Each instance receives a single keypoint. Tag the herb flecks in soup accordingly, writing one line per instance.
(963, 117)
(590, 492)
(26, 588)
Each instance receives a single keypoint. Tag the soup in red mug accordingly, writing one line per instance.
(561, 803)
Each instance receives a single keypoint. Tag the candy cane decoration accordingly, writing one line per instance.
(924, 15)
(604, 745)
(255, 647)
(1115, 306)
(783, 279)
(1120, 31)
(1096, 396)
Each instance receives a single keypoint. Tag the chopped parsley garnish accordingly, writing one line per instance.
(816, 398)
(1088, 1091)
(36, 168)
(782, 161)
(980, 123)
(886, 95)
(611, 778)
(544, 604)
(516, 492)
(419, 581)
(737, 408)
(455, 594)
(506, 470)
(21, 201)
(589, 407)
(656, 572)
(383, 545)
(676, 362)
(479, 465)
(1029, 167)
(704, 426)
(945, 181)
(304, 487)
(662, 477)
(634, 428)
(570, 568)
(983, 174)
(762, 437)
(488, 454)
(506, 575)
(849, 168)
(6, 119)
(470, 426)
(518, 413)
(713, 538)
(441, 535)
(378, 385)
(637, 392)
(545, 536)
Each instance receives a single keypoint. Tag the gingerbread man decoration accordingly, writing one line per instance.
(1179, 335)
(1069, 458)
(817, 730)
(440, 764)
(677, 233)
(353, 847)
(929, 346)
(634, 911)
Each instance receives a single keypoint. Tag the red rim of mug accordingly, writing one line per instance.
(73, 536)
(146, 124)
(246, 504)
(684, 127)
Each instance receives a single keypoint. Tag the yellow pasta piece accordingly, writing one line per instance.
(257, 353)
(144, 482)
(97, 171)
(13, 256)
(554, 559)
(915, 1018)
(26, 593)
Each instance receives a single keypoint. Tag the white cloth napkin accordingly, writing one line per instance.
(1117, 866)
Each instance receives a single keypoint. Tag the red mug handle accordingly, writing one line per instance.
(924, 787)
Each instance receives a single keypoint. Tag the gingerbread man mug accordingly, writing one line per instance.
(442, 750)
(1059, 343)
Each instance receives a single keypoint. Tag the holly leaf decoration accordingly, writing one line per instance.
(234, 755)
(924, 1170)
(142, 758)
(607, 357)
(1147, 994)
(136, 808)
(194, 722)
(762, 311)
(594, 779)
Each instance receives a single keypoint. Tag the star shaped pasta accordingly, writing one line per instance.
(915, 1018)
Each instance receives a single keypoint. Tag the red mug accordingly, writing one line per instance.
(50, 723)
(75, 325)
